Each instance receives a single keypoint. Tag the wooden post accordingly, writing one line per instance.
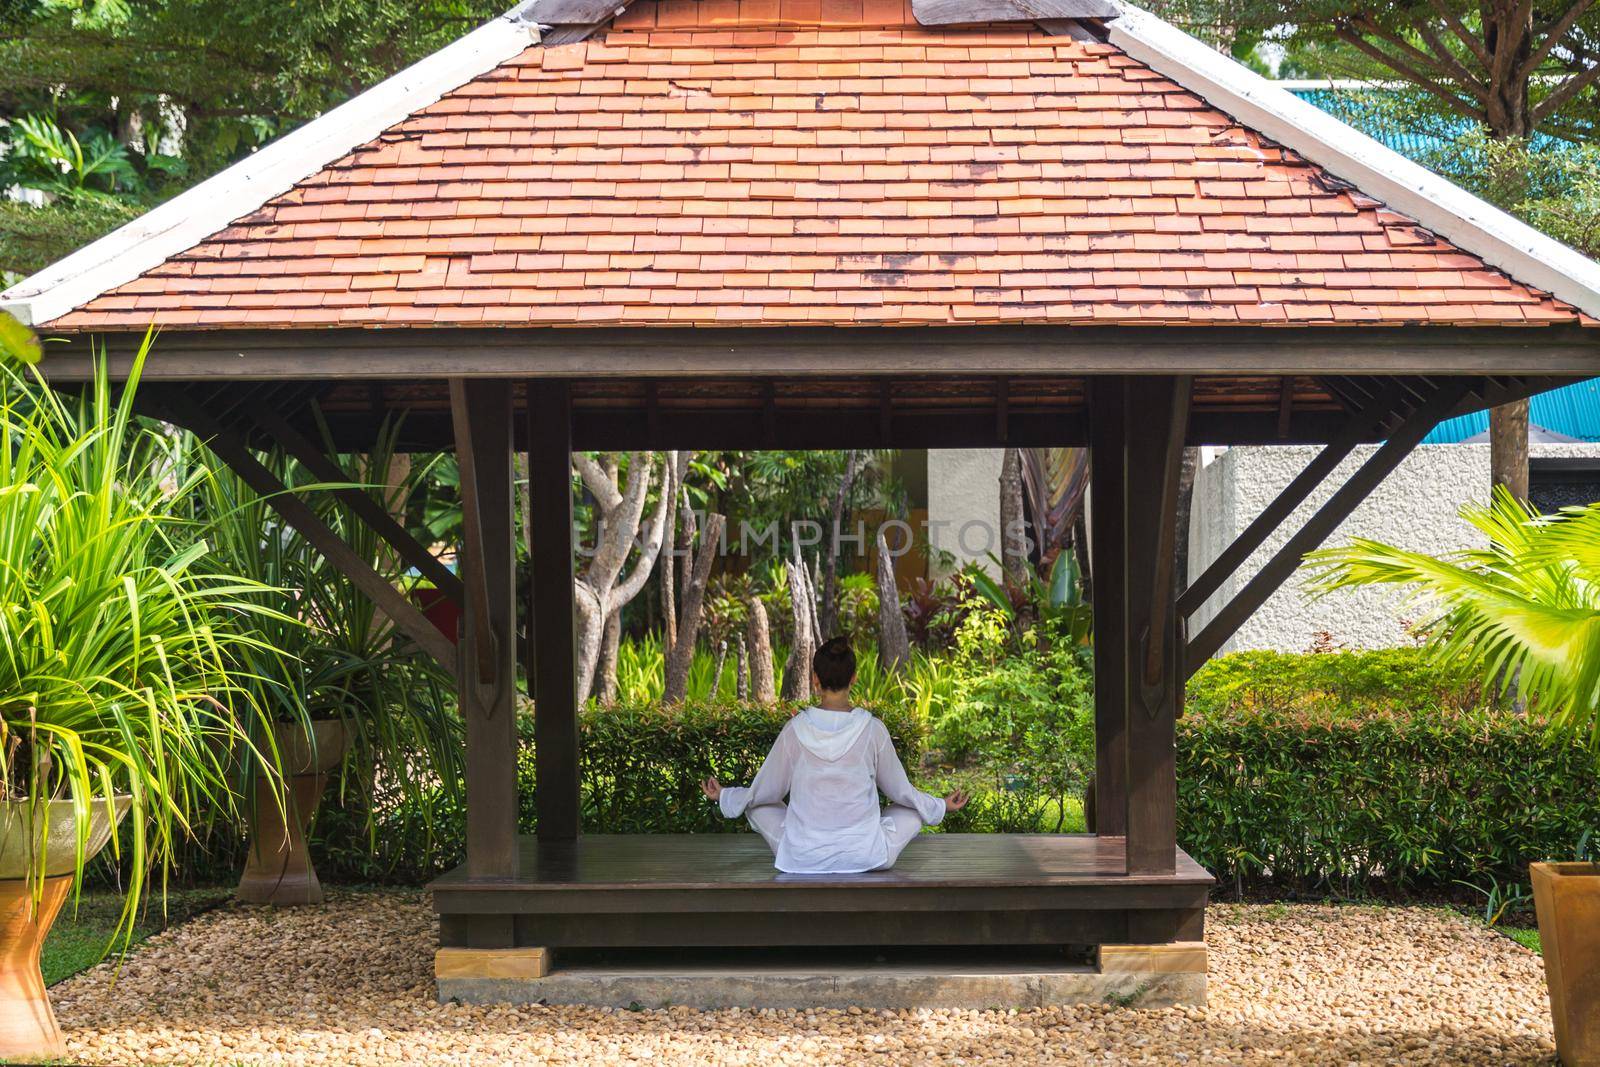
(551, 629)
(1156, 414)
(1108, 575)
(481, 410)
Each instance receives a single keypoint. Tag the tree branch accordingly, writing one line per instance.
(1406, 71)
(1464, 35)
(597, 481)
(620, 526)
(1562, 96)
(1552, 37)
(631, 586)
(1445, 57)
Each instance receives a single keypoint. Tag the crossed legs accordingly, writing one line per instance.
(901, 825)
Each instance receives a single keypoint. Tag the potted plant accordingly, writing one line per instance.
(1523, 612)
(353, 701)
(115, 679)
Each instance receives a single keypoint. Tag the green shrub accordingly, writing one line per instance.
(1333, 683)
(1348, 801)
(1019, 707)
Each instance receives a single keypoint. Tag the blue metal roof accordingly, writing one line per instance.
(1573, 411)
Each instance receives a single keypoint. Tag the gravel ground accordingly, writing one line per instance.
(351, 984)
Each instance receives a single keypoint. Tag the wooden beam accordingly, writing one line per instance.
(1109, 593)
(1357, 429)
(712, 428)
(1155, 412)
(486, 682)
(551, 611)
(370, 511)
(1285, 405)
(232, 450)
(466, 405)
(968, 12)
(1174, 417)
(755, 352)
(1321, 525)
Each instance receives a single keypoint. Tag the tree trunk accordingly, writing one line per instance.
(669, 562)
(605, 587)
(894, 651)
(682, 656)
(797, 669)
(758, 639)
(1013, 528)
(828, 609)
(591, 634)
(610, 644)
(741, 670)
(1508, 447)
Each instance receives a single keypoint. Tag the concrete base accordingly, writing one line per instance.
(798, 983)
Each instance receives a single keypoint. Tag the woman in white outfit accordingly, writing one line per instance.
(831, 761)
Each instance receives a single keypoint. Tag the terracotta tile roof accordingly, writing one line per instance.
(787, 162)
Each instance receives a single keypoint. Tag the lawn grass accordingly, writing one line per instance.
(79, 937)
(1526, 936)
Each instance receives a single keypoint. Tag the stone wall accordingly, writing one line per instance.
(963, 508)
(1416, 507)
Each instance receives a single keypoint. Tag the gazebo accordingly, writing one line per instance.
(823, 224)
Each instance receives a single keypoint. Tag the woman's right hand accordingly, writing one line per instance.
(955, 800)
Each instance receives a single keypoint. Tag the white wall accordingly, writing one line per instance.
(1415, 507)
(964, 506)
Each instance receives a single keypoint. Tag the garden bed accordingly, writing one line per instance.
(352, 983)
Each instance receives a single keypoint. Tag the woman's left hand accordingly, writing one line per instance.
(712, 788)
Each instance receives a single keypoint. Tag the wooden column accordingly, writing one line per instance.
(486, 671)
(1108, 575)
(1156, 415)
(551, 629)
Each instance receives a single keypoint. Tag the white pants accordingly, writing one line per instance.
(905, 824)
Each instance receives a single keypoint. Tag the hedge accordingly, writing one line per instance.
(1350, 771)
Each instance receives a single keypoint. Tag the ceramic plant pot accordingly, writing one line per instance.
(1567, 898)
(278, 867)
(28, 1030)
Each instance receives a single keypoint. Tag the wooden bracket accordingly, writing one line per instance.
(1358, 429)
(374, 514)
(1320, 526)
(1153, 642)
(232, 450)
(474, 547)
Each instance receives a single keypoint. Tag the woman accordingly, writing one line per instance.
(831, 761)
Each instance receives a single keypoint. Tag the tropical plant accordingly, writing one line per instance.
(40, 154)
(346, 659)
(121, 638)
(1524, 611)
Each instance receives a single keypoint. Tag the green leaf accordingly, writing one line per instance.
(18, 343)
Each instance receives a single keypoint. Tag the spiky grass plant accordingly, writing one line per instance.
(119, 637)
(1524, 611)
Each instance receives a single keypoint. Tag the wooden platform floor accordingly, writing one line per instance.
(715, 861)
(722, 890)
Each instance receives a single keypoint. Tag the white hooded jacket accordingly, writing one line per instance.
(832, 765)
